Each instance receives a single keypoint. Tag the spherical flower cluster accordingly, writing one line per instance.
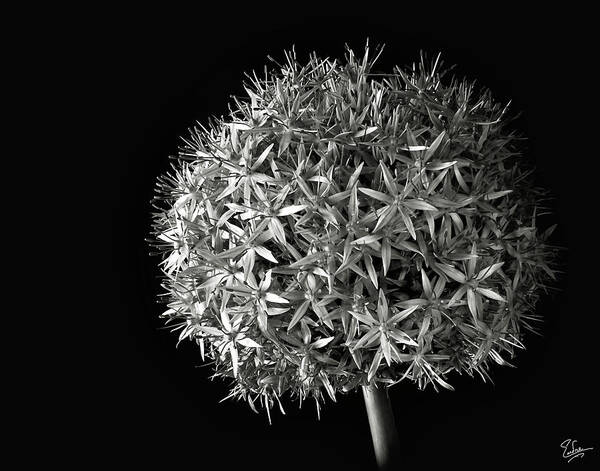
(343, 228)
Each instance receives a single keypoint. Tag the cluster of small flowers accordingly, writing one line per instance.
(342, 228)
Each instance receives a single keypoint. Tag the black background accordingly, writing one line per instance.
(148, 403)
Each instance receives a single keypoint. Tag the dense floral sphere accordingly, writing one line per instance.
(343, 228)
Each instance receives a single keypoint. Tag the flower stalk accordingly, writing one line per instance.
(386, 443)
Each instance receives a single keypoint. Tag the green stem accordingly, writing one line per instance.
(383, 429)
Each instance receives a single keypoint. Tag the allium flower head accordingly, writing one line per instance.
(343, 228)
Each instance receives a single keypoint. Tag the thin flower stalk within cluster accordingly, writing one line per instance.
(343, 228)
